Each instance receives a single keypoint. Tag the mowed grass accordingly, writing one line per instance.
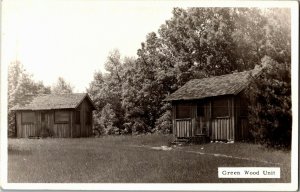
(130, 159)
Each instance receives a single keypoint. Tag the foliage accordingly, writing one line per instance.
(106, 91)
(270, 113)
(108, 120)
(193, 43)
(21, 88)
(164, 123)
(61, 87)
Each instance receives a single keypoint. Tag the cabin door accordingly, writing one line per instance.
(201, 119)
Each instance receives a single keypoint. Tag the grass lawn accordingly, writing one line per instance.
(124, 159)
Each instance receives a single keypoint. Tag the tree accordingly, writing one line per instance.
(164, 123)
(108, 120)
(98, 95)
(106, 90)
(270, 113)
(62, 87)
(194, 43)
(270, 94)
(214, 41)
(21, 90)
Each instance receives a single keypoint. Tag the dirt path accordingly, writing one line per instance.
(165, 148)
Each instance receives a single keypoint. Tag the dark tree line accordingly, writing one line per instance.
(197, 43)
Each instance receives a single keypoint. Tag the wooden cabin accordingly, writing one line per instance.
(56, 115)
(213, 107)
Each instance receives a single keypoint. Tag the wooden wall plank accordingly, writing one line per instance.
(221, 128)
(18, 124)
(183, 128)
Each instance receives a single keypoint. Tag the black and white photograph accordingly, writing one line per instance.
(149, 95)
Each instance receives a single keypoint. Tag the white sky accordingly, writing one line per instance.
(72, 38)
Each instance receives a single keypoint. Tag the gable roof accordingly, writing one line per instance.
(54, 101)
(230, 84)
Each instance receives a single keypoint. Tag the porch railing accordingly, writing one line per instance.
(183, 127)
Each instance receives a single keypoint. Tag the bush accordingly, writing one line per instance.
(11, 124)
(270, 115)
(164, 123)
(108, 120)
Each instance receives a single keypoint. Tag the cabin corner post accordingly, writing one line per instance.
(210, 120)
(17, 127)
(92, 124)
(193, 117)
(71, 123)
(233, 117)
(15, 120)
(174, 119)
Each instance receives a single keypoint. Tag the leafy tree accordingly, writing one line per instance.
(194, 43)
(108, 120)
(106, 90)
(62, 87)
(270, 112)
(97, 94)
(21, 89)
(164, 122)
(214, 41)
(249, 36)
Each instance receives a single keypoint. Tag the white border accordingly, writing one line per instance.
(176, 187)
(295, 92)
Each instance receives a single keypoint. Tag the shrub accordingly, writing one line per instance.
(108, 120)
(270, 115)
(164, 123)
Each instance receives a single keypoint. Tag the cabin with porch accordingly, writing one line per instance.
(55, 115)
(213, 108)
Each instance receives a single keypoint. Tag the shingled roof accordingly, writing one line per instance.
(230, 84)
(54, 101)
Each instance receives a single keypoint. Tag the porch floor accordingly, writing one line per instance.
(197, 139)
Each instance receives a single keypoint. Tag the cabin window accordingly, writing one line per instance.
(220, 107)
(61, 116)
(88, 118)
(28, 117)
(183, 111)
(77, 117)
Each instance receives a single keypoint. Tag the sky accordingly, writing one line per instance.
(72, 38)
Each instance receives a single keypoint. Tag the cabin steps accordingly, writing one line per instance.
(181, 141)
(200, 139)
(197, 139)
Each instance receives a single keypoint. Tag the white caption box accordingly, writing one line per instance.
(249, 172)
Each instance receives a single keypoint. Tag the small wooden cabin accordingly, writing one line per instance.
(213, 107)
(57, 115)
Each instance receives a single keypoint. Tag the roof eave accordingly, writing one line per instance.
(48, 109)
(198, 98)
